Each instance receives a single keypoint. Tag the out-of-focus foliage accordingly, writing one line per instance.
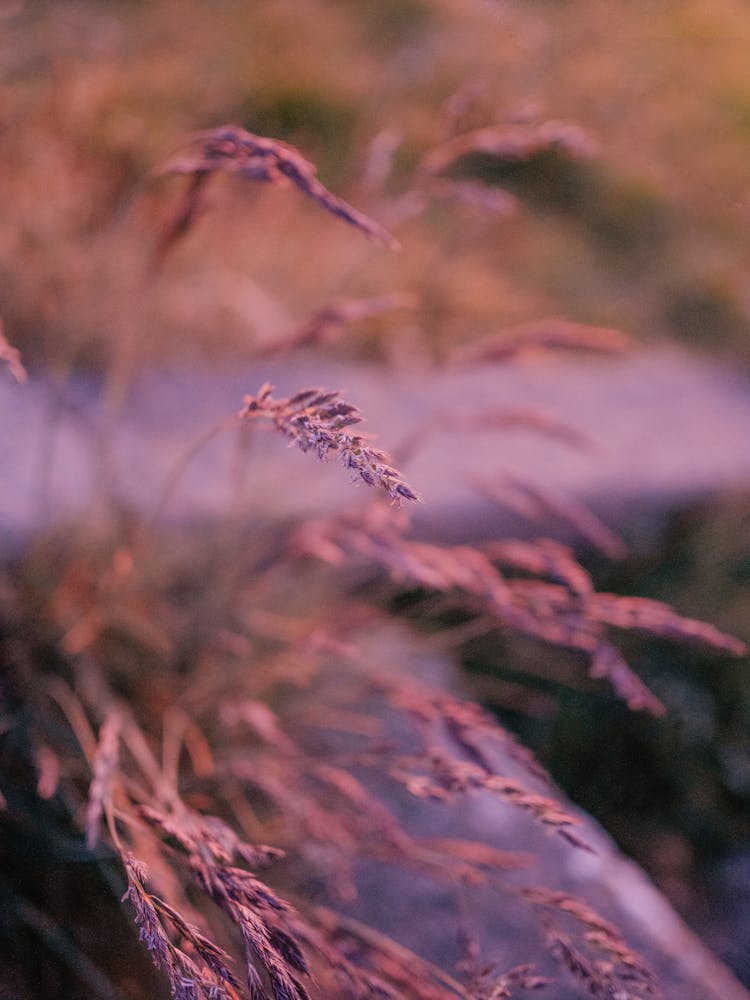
(675, 792)
(651, 236)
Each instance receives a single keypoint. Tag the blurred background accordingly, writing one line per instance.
(649, 234)
(640, 221)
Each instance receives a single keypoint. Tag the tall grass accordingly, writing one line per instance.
(207, 729)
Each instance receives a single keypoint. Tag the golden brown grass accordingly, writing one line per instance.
(177, 716)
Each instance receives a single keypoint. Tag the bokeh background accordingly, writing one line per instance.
(650, 235)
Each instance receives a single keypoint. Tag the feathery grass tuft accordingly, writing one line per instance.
(317, 420)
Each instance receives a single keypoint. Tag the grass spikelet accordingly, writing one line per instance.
(468, 724)
(391, 963)
(491, 986)
(598, 956)
(568, 614)
(642, 614)
(547, 334)
(543, 558)
(537, 503)
(441, 778)
(230, 149)
(317, 420)
(512, 142)
(204, 975)
(273, 955)
(609, 663)
(207, 835)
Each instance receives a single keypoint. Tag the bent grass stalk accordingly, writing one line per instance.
(317, 420)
